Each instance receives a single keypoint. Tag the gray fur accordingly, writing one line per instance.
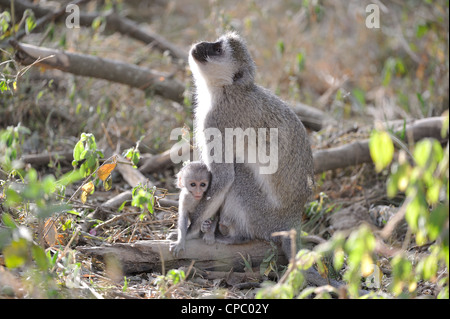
(253, 206)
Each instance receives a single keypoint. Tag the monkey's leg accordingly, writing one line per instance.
(224, 228)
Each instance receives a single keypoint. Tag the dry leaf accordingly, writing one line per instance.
(367, 266)
(105, 170)
(323, 271)
(83, 197)
(107, 183)
(88, 187)
(50, 233)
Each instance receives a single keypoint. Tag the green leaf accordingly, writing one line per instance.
(360, 96)
(402, 272)
(3, 86)
(381, 149)
(8, 221)
(422, 152)
(49, 184)
(414, 210)
(107, 183)
(40, 257)
(78, 150)
(306, 259)
(338, 260)
(176, 275)
(436, 224)
(16, 254)
(280, 47)
(135, 158)
(70, 178)
(121, 207)
(30, 24)
(421, 30)
(300, 62)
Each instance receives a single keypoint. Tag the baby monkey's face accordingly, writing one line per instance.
(197, 187)
(195, 178)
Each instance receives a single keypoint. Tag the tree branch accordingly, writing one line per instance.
(358, 152)
(114, 23)
(93, 66)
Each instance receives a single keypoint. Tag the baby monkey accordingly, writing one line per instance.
(193, 180)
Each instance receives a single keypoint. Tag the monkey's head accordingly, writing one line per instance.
(224, 62)
(195, 178)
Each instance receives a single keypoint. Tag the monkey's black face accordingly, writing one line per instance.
(203, 50)
(220, 63)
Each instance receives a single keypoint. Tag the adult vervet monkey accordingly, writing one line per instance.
(252, 203)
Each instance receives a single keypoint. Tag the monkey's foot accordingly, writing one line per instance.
(176, 247)
(209, 238)
(206, 226)
(172, 236)
(224, 228)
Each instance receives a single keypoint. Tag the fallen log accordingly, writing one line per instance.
(116, 201)
(153, 255)
(156, 163)
(311, 117)
(131, 175)
(93, 66)
(358, 152)
(159, 162)
(45, 158)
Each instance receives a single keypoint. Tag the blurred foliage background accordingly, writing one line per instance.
(320, 53)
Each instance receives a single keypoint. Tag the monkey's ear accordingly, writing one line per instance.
(179, 183)
(238, 76)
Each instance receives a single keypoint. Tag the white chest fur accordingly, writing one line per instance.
(204, 106)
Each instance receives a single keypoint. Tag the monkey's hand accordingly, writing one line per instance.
(176, 247)
(206, 226)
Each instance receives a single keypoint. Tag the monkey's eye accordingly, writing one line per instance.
(217, 48)
(193, 184)
(202, 184)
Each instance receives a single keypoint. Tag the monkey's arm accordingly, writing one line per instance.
(209, 205)
(183, 220)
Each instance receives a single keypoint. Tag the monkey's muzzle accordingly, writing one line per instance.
(201, 51)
